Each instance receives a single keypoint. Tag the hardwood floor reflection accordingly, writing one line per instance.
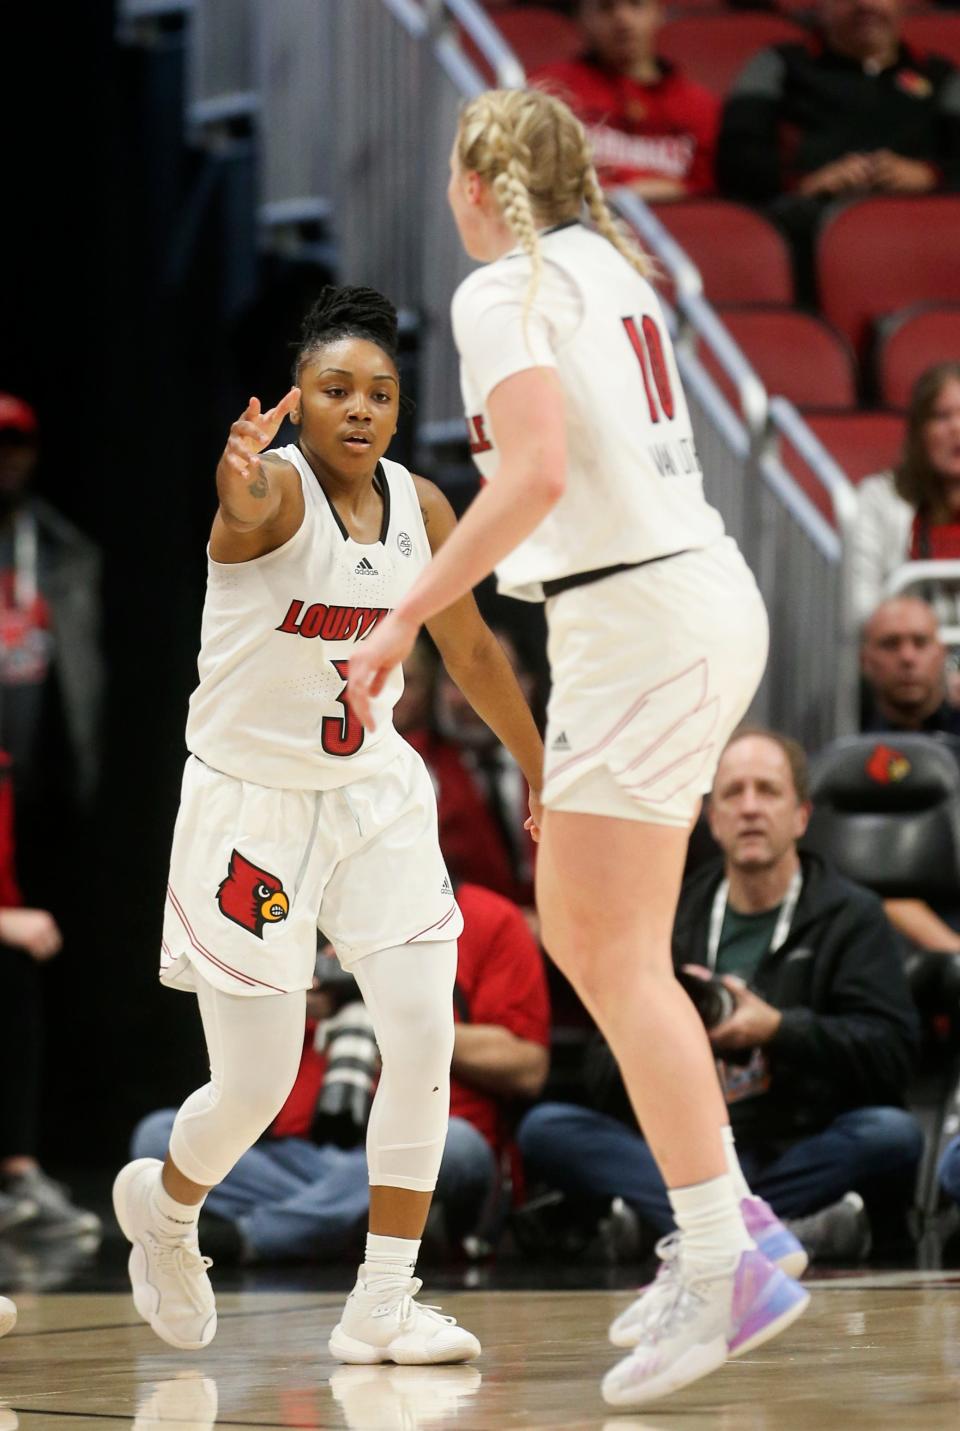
(873, 1352)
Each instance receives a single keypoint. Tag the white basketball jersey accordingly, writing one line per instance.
(634, 487)
(276, 640)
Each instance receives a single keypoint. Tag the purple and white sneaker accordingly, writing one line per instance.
(776, 1242)
(706, 1318)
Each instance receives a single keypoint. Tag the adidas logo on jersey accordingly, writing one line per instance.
(365, 568)
(446, 887)
(561, 742)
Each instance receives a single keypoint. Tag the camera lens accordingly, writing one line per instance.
(353, 1061)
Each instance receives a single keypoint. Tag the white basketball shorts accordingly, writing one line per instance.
(652, 669)
(256, 871)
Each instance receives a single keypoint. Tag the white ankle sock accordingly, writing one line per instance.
(708, 1215)
(389, 1261)
(174, 1219)
(741, 1188)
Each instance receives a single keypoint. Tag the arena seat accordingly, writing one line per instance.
(935, 32)
(886, 812)
(538, 36)
(796, 355)
(713, 49)
(878, 255)
(911, 342)
(743, 259)
(861, 443)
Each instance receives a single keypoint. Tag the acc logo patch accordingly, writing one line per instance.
(251, 897)
(886, 766)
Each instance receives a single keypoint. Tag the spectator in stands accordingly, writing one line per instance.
(853, 111)
(290, 1198)
(650, 127)
(815, 1056)
(482, 797)
(913, 512)
(904, 666)
(50, 666)
(28, 937)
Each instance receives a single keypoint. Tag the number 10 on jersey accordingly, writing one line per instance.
(648, 346)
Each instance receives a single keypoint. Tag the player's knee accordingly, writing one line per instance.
(420, 1036)
(254, 1100)
(425, 1063)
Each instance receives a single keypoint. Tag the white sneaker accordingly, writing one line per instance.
(701, 1320)
(393, 1327)
(8, 1316)
(171, 1289)
(773, 1238)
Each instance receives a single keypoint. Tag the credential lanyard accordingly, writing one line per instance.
(780, 931)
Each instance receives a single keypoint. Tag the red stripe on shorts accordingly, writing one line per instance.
(438, 924)
(247, 979)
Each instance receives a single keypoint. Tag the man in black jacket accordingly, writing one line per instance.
(852, 111)
(816, 1051)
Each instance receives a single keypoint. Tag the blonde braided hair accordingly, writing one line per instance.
(534, 153)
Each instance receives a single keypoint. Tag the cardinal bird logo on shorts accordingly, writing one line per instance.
(251, 897)
(886, 765)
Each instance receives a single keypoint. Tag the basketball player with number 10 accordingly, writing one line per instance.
(657, 641)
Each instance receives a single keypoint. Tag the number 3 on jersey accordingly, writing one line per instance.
(341, 735)
(648, 346)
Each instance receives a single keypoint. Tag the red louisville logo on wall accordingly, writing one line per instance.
(887, 765)
(251, 897)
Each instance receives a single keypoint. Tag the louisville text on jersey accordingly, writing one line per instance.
(331, 623)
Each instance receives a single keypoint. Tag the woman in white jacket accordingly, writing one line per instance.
(912, 513)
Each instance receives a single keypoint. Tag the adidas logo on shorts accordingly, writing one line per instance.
(561, 742)
(365, 568)
(446, 887)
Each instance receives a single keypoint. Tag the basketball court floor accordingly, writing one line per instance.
(874, 1351)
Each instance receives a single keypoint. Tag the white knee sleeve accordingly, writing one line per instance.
(409, 994)
(254, 1044)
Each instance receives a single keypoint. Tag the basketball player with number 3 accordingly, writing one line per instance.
(292, 815)
(657, 642)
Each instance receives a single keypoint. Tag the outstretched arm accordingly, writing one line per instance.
(251, 488)
(528, 422)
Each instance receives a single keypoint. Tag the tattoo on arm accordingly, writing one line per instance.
(259, 487)
(425, 515)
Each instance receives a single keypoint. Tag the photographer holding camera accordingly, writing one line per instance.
(800, 982)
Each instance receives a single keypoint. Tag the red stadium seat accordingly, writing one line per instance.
(912, 342)
(713, 49)
(536, 35)
(861, 443)
(743, 259)
(935, 33)
(879, 255)
(795, 355)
